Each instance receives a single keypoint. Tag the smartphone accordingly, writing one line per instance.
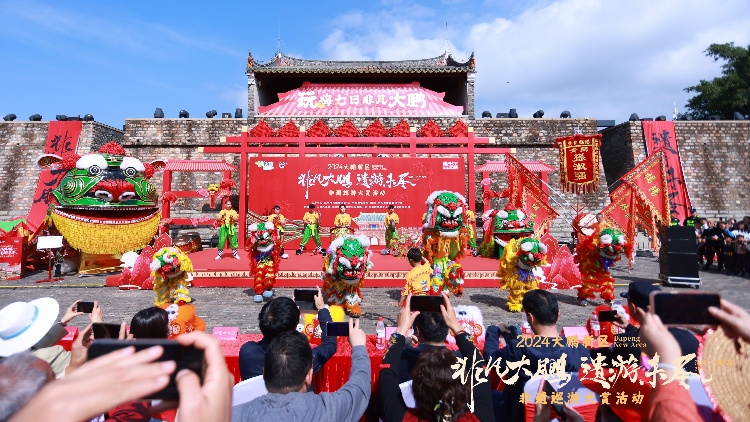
(559, 408)
(685, 308)
(337, 329)
(103, 330)
(305, 298)
(85, 307)
(186, 357)
(607, 316)
(426, 303)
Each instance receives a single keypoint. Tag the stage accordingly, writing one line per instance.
(305, 271)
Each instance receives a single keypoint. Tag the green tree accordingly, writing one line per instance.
(728, 93)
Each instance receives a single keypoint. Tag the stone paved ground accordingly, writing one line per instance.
(234, 306)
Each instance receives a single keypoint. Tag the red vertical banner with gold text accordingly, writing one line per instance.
(579, 162)
(62, 138)
(660, 136)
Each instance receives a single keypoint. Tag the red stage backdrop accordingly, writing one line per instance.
(62, 138)
(366, 185)
(660, 135)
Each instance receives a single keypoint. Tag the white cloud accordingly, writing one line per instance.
(596, 58)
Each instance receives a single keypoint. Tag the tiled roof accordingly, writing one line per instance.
(282, 63)
(499, 166)
(199, 165)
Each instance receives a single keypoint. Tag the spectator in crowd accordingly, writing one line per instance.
(288, 371)
(714, 237)
(732, 224)
(691, 219)
(437, 393)
(278, 316)
(741, 255)
(431, 331)
(150, 323)
(542, 312)
(670, 401)
(727, 249)
(624, 344)
(22, 375)
(90, 390)
(741, 228)
(701, 242)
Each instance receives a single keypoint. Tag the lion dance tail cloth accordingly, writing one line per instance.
(521, 257)
(444, 238)
(595, 254)
(171, 270)
(264, 251)
(344, 270)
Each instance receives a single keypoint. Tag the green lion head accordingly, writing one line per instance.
(511, 221)
(531, 253)
(446, 212)
(348, 258)
(263, 236)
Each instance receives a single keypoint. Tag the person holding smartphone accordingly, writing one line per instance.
(437, 393)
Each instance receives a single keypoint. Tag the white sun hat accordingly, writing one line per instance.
(23, 324)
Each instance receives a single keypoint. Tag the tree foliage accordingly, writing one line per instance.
(728, 93)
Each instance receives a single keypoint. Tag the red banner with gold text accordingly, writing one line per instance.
(648, 180)
(62, 138)
(579, 162)
(366, 185)
(521, 179)
(660, 135)
(538, 210)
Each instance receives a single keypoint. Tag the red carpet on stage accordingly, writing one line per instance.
(305, 271)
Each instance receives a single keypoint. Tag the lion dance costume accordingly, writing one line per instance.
(344, 269)
(520, 269)
(264, 248)
(171, 270)
(444, 238)
(105, 202)
(595, 254)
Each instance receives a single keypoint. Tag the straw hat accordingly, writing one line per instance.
(725, 363)
(23, 324)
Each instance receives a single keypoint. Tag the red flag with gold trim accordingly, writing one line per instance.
(579, 162)
(519, 179)
(538, 210)
(649, 182)
(620, 212)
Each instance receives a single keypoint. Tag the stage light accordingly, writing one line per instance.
(74, 118)
(565, 114)
(226, 115)
(634, 117)
(661, 118)
(238, 113)
(738, 116)
(61, 117)
(88, 118)
(159, 113)
(513, 114)
(35, 118)
(539, 114)
(211, 114)
(9, 117)
(486, 114)
(184, 114)
(501, 115)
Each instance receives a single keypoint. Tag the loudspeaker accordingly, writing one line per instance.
(678, 256)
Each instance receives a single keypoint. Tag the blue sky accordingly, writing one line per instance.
(596, 58)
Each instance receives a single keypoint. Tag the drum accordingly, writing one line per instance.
(188, 242)
(340, 231)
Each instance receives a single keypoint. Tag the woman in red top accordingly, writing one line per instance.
(438, 396)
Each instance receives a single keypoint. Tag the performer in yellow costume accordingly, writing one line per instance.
(391, 235)
(278, 221)
(226, 222)
(342, 224)
(521, 269)
(471, 220)
(312, 228)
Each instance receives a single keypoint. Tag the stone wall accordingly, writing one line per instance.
(21, 142)
(714, 157)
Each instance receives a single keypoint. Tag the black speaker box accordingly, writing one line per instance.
(678, 256)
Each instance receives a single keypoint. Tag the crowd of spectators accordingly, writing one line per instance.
(37, 384)
(725, 240)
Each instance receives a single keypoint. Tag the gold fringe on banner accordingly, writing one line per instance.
(107, 238)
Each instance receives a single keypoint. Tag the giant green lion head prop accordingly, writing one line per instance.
(106, 203)
(348, 258)
(446, 212)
